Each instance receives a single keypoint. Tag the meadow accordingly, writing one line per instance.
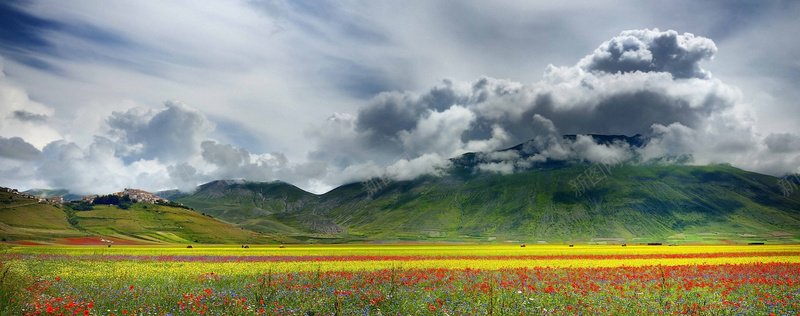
(398, 279)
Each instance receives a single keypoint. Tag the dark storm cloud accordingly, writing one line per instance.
(610, 104)
(651, 50)
(19, 149)
(626, 113)
(389, 113)
(26, 116)
(172, 134)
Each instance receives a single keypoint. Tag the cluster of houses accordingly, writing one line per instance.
(134, 194)
(141, 196)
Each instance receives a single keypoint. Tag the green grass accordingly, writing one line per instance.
(143, 221)
(22, 219)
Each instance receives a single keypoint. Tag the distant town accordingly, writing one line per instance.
(135, 195)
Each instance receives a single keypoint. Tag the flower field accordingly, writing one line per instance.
(400, 280)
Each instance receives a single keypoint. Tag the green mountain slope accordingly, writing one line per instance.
(24, 219)
(649, 202)
(631, 203)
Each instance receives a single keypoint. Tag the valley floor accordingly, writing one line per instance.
(400, 279)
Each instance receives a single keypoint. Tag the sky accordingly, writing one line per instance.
(100, 96)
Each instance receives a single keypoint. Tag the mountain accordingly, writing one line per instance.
(261, 207)
(549, 200)
(635, 202)
(25, 219)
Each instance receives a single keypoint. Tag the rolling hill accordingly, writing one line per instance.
(25, 219)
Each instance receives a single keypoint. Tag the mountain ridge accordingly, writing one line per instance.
(547, 199)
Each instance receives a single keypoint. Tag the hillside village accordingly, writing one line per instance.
(135, 195)
(141, 196)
